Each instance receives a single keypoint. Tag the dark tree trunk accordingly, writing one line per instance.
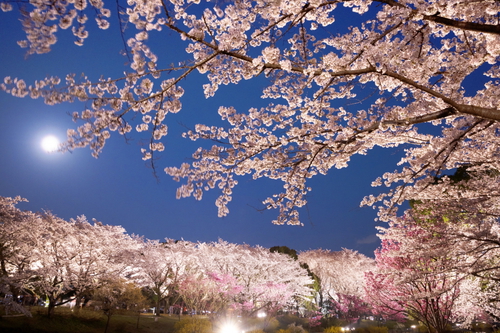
(50, 308)
(158, 301)
(107, 323)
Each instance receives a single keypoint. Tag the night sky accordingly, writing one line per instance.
(119, 188)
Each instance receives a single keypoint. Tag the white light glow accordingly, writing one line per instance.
(50, 144)
(229, 328)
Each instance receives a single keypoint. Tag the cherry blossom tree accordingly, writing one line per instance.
(53, 249)
(269, 281)
(208, 292)
(163, 266)
(240, 279)
(46, 256)
(408, 61)
(70, 259)
(471, 238)
(14, 247)
(414, 278)
(97, 256)
(342, 280)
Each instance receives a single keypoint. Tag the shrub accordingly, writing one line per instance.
(292, 328)
(260, 324)
(372, 329)
(193, 325)
(255, 331)
(287, 320)
(333, 329)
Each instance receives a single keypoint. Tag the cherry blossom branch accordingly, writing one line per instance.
(463, 25)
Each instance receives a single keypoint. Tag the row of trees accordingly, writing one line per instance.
(437, 264)
(434, 267)
(45, 256)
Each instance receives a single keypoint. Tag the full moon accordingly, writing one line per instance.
(50, 144)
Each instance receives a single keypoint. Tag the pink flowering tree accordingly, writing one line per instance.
(349, 307)
(470, 236)
(272, 297)
(413, 279)
(69, 260)
(97, 257)
(411, 62)
(258, 273)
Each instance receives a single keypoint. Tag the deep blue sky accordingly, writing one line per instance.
(119, 189)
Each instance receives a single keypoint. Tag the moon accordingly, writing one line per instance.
(50, 144)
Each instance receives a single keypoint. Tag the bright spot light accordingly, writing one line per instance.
(229, 328)
(50, 144)
(261, 314)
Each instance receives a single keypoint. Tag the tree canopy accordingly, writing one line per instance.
(407, 63)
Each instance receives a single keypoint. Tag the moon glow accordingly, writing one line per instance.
(50, 144)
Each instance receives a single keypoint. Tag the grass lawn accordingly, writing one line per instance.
(86, 321)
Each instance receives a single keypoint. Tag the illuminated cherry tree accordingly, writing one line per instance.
(246, 279)
(14, 249)
(409, 62)
(415, 277)
(71, 259)
(272, 281)
(342, 280)
(471, 239)
(163, 266)
(97, 256)
(47, 257)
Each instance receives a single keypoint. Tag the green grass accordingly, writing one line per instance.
(86, 321)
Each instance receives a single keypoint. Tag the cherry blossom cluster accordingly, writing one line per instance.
(42, 21)
(406, 61)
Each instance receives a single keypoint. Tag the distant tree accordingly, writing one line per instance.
(285, 250)
(162, 267)
(262, 274)
(208, 292)
(405, 66)
(342, 280)
(53, 248)
(98, 257)
(117, 294)
(71, 259)
(46, 256)
(315, 286)
(243, 279)
(14, 247)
